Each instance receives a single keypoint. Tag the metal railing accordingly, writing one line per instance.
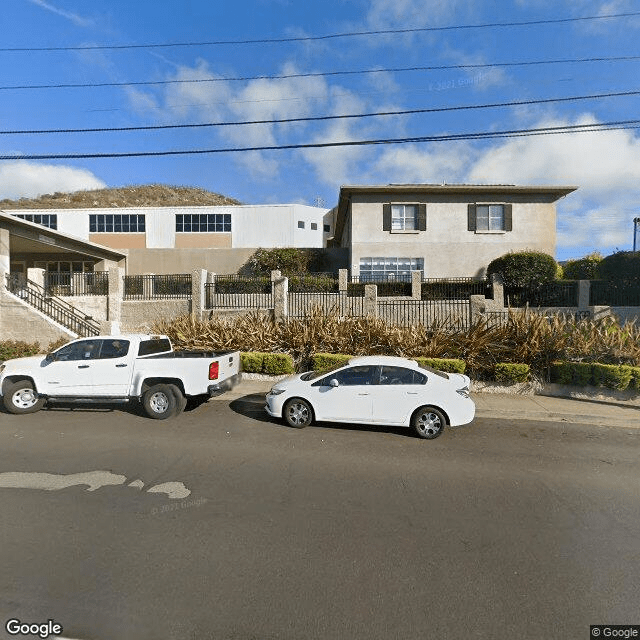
(313, 282)
(615, 294)
(239, 292)
(448, 314)
(551, 294)
(391, 286)
(164, 287)
(454, 288)
(58, 310)
(95, 283)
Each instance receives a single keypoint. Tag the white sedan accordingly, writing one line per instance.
(375, 390)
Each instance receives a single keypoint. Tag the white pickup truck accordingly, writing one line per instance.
(118, 369)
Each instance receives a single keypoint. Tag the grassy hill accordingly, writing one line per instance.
(151, 195)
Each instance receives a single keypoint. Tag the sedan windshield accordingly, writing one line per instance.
(314, 375)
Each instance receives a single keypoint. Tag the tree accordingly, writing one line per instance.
(524, 269)
(622, 266)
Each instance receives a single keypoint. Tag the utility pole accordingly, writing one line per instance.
(636, 223)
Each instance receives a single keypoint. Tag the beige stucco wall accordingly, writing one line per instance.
(94, 306)
(140, 315)
(18, 321)
(202, 240)
(119, 240)
(447, 247)
(222, 261)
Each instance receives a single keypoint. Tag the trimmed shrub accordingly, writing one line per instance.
(448, 365)
(582, 373)
(611, 376)
(622, 266)
(509, 373)
(252, 362)
(10, 349)
(576, 373)
(561, 372)
(277, 364)
(584, 268)
(524, 269)
(635, 378)
(324, 361)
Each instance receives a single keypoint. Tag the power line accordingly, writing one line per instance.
(404, 112)
(483, 135)
(348, 34)
(316, 74)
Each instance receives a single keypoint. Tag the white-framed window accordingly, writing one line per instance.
(116, 223)
(404, 217)
(49, 220)
(490, 217)
(203, 222)
(384, 268)
(327, 228)
(300, 224)
(314, 226)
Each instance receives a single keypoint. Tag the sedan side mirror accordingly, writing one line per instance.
(334, 383)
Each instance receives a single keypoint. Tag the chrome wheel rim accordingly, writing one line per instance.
(24, 398)
(297, 413)
(159, 402)
(429, 424)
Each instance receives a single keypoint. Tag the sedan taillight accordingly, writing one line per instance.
(214, 368)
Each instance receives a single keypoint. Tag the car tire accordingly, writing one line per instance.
(181, 399)
(297, 413)
(159, 401)
(428, 422)
(21, 397)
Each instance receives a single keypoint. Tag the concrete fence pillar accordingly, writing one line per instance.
(370, 300)
(280, 298)
(343, 280)
(198, 296)
(497, 285)
(584, 293)
(116, 294)
(416, 285)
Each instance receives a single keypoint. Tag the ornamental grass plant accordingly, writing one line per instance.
(525, 338)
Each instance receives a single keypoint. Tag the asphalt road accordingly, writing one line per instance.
(496, 530)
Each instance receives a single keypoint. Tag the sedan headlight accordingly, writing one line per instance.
(276, 392)
(464, 392)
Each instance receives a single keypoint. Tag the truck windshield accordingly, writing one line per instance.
(153, 346)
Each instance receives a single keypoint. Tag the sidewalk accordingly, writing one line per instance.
(511, 406)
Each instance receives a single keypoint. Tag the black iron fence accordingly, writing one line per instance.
(454, 288)
(448, 314)
(561, 293)
(387, 287)
(58, 310)
(149, 287)
(95, 283)
(239, 292)
(615, 294)
(313, 282)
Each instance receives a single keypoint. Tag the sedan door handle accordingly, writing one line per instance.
(83, 366)
(412, 393)
(121, 365)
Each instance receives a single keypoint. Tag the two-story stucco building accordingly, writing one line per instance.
(443, 230)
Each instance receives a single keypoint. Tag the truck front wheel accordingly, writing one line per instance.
(160, 401)
(21, 397)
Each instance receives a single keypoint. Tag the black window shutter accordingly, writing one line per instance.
(422, 217)
(386, 217)
(471, 217)
(508, 218)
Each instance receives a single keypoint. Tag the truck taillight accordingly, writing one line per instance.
(213, 371)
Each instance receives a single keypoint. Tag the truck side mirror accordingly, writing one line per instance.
(334, 383)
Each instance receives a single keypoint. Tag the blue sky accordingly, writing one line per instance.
(605, 165)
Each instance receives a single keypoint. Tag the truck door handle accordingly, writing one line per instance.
(363, 394)
(83, 366)
(121, 365)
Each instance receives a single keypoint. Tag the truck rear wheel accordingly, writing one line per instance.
(160, 401)
(21, 397)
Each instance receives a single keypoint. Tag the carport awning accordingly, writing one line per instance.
(29, 237)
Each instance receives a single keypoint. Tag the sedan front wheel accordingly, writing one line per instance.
(428, 423)
(298, 413)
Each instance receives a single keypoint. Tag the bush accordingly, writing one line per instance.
(623, 266)
(524, 269)
(448, 365)
(10, 349)
(252, 362)
(277, 364)
(325, 361)
(576, 373)
(511, 373)
(289, 261)
(584, 268)
(611, 376)
(635, 378)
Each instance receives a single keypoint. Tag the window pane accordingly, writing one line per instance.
(108, 223)
(482, 217)
(92, 224)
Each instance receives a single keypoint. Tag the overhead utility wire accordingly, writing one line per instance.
(513, 133)
(348, 34)
(315, 74)
(198, 125)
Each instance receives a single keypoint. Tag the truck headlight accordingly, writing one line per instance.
(2, 368)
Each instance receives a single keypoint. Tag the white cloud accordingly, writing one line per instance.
(24, 179)
(73, 17)
(386, 14)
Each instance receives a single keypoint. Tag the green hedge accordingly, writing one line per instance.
(10, 349)
(448, 365)
(274, 364)
(509, 373)
(610, 376)
(324, 361)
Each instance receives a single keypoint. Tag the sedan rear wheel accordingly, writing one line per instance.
(298, 413)
(428, 423)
